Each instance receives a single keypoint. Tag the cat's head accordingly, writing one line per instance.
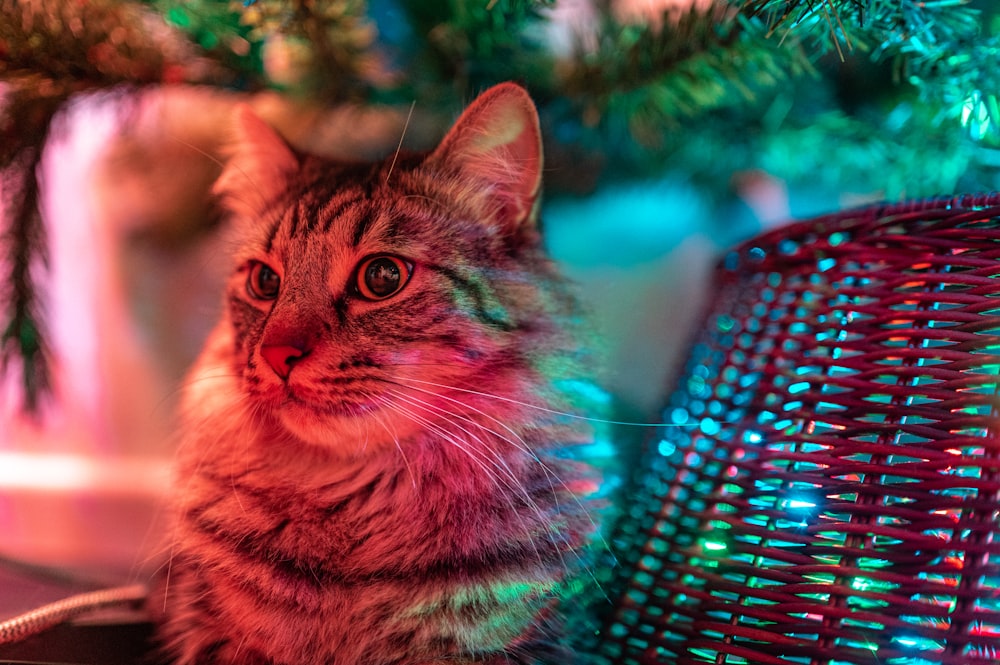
(369, 301)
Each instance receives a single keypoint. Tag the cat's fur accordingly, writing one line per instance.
(362, 481)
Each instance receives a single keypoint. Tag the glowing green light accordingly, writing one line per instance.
(179, 17)
(713, 546)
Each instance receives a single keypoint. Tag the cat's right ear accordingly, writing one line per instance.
(258, 166)
(496, 145)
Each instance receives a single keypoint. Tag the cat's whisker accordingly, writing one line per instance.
(239, 647)
(543, 409)
(426, 422)
(187, 383)
(476, 454)
(395, 440)
(498, 462)
(509, 484)
(517, 441)
(187, 144)
(550, 475)
(399, 147)
(511, 481)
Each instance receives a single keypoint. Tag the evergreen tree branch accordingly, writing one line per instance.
(471, 44)
(25, 119)
(48, 52)
(684, 87)
(682, 67)
(336, 41)
(95, 44)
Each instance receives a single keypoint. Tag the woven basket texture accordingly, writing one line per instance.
(827, 489)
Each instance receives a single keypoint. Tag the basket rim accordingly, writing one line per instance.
(872, 216)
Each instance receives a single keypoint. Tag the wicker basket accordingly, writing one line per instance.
(830, 491)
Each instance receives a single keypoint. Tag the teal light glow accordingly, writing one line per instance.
(587, 390)
(679, 416)
(666, 448)
(979, 113)
(725, 323)
(825, 264)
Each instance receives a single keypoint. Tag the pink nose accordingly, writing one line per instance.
(281, 358)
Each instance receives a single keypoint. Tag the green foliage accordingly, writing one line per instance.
(218, 29)
(333, 39)
(900, 96)
(462, 46)
(25, 119)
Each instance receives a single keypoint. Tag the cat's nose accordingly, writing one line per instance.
(281, 357)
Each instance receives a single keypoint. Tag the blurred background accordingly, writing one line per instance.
(674, 128)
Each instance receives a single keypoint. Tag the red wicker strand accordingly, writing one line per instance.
(831, 492)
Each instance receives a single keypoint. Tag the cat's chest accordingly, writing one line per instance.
(364, 523)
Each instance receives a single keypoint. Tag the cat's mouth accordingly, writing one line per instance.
(324, 423)
(346, 404)
(339, 408)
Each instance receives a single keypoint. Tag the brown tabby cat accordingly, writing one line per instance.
(374, 466)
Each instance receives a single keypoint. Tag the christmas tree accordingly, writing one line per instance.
(899, 95)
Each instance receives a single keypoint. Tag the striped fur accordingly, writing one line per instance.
(393, 499)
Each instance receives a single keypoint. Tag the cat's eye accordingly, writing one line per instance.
(263, 282)
(382, 276)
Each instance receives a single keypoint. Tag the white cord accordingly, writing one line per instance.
(47, 616)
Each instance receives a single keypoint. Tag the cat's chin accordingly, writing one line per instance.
(348, 433)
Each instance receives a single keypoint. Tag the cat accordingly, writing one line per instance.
(376, 460)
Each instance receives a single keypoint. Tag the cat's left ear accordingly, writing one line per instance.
(497, 143)
(258, 168)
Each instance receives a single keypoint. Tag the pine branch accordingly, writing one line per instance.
(685, 87)
(218, 29)
(48, 52)
(631, 56)
(646, 82)
(471, 44)
(936, 46)
(682, 69)
(95, 44)
(333, 40)
(25, 118)
(826, 21)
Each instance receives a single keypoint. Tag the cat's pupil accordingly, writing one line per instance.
(382, 277)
